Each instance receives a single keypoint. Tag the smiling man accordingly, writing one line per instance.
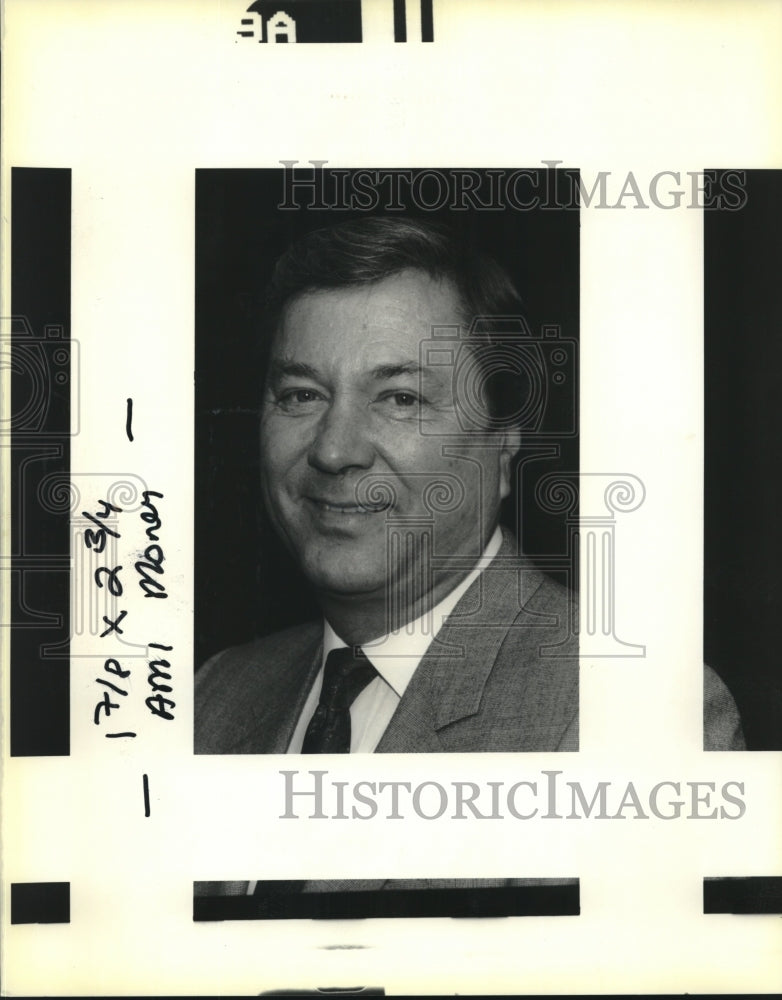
(398, 371)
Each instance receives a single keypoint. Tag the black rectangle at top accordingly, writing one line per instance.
(288, 21)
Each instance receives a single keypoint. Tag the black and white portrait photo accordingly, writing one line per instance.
(399, 383)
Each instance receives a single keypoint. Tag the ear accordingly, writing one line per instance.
(511, 442)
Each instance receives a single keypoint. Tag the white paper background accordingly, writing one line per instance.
(133, 97)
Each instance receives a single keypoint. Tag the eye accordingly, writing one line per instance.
(400, 404)
(404, 399)
(298, 399)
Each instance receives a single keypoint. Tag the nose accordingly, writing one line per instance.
(342, 439)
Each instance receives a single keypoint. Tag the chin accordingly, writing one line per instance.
(354, 585)
(348, 577)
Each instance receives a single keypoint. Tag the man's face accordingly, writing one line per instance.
(346, 399)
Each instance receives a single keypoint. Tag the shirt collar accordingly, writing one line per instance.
(396, 655)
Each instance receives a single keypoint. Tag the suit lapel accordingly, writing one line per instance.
(276, 710)
(449, 683)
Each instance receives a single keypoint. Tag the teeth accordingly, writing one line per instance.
(342, 509)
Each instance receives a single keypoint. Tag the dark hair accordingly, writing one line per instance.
(367, 250)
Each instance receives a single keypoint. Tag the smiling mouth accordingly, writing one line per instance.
(335, 507)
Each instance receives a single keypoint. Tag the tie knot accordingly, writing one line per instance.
(346, 673)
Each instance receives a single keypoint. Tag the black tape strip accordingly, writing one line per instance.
(286, 903)
(38, 339)
(40, 902)
(753, 894)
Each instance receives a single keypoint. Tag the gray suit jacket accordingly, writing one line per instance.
(502, 675)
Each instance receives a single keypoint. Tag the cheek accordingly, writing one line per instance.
(279, 448)
(480, 484)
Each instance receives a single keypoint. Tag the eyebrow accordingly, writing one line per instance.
(280, 369)
(385, 372)
(291, 369)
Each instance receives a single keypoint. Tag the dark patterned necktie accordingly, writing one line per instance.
(345, 675)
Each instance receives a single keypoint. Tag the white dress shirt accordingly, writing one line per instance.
(396, 657)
